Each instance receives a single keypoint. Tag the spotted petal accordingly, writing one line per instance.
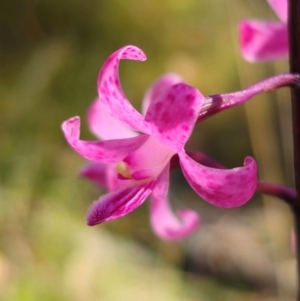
(173, 114)
(160, 86)
(117, 204)
(164, 222)
(263, 41)
(221, 187)
(281, 8)
(108, 151)
(110, 90)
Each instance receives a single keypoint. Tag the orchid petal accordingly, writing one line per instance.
(164, 222)
(108, 151)
(149, 160)
(221, 187)
(96, 172)
(281, 8)
(104, 126)
(117, 204)
(172, 115)
(161, 85)
(110, 90)
(263, 41)
(104, 175)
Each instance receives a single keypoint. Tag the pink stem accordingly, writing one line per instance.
(214, 104)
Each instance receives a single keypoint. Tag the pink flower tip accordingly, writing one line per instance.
(265, 40)
(71, 127)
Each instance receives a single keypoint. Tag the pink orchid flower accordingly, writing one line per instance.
(140, 148)
(105, 126)
(264, 41)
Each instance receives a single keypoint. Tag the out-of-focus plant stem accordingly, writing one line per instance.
(294, 44)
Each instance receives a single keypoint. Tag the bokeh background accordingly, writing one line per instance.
(51, 53)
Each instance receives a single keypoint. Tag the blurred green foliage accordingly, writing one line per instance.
(50, 54)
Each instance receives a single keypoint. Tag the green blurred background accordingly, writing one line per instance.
(50, 54)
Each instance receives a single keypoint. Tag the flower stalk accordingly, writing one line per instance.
(294, 47)
(214, 104)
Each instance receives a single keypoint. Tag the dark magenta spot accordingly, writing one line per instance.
(115, 94)
(185, 127)
(189, 97)
(191, 113)
(171, 97)
(158, 106)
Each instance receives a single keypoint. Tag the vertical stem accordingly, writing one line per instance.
(297, 231)
(294, 45)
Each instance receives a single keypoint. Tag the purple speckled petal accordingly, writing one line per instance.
(117, 204)
(104, 126)
(173, 114)
(221, 187)
(109, 151)
(263, 41)
(164, 222)
(281, 8)
(110, 90)
(160, 86)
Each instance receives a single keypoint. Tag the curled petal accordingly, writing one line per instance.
(117, 204)
(221, 187)
(167, 225)
(104, 126)
(280, 8)
(173, 114)
(108, 151)
(160, 86)
(263, 41)
(110, 90)
(164, 222)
